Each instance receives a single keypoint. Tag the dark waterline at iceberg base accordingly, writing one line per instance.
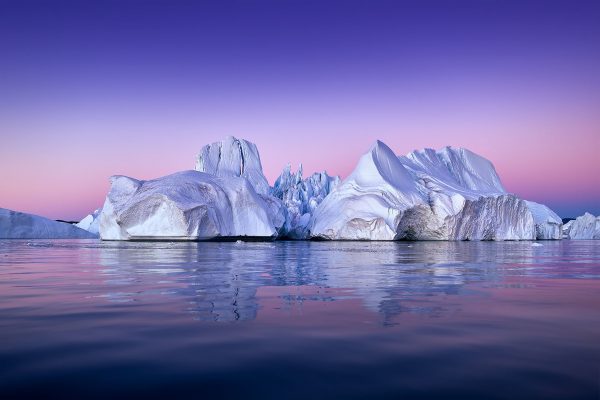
(90, 319)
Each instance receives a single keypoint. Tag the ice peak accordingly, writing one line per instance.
(233, 157)
(381, 164)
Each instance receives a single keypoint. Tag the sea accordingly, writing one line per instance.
(88, 319)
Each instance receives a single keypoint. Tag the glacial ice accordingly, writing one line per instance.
(300, 198)
(18, 225)
(448, 194)
(583, 227)
(368, 204)
(188, 205)
(548, 225)
(232, 157)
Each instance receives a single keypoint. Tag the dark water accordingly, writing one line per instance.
(304, 320)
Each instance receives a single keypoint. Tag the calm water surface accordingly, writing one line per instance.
(81, 319)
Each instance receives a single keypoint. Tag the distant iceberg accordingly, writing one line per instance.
(18, 225)
(584, 227)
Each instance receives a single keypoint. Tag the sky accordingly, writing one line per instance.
(90, 89)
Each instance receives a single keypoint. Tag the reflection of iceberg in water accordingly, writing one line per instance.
(387, 276)
(220, 280)
(211, 275)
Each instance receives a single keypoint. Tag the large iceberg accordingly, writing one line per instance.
(448, 194)
(584, 227)
(301, 197)
(188, 205)
(18, 225)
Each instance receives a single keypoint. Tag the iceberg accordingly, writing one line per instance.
(18, 225)
(301, 197)
(188, 205)
(448, 194)
(583, 227)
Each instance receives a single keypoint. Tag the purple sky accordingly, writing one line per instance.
(92, 89)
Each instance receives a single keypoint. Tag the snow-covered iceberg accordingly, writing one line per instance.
(18, 225)
(301, 197)
(188, 205)
(448, 194)
(584, 227)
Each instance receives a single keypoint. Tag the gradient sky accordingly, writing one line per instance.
(89, 89)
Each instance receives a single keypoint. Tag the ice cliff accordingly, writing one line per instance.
(18, 225)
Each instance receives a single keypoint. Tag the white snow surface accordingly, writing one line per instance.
(448, 194)
(453, 169)
(232, 157)
(18, 225)
(188, 205)
(91, 222)
(584, 227)
(301, 197)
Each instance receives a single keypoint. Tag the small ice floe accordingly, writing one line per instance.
(39, 244)
(536, 244)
